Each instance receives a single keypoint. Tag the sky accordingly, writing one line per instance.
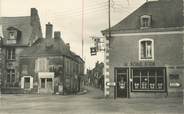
(66, 16)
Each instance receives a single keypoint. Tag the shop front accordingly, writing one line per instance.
(46, 82)
(140, 81)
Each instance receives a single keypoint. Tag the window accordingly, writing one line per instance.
(12, 35)
(146, 49)
(41, 65)
(148, 79)
(10, 75)
(10, 53)
(145, 21)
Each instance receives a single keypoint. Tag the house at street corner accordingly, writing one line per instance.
(17, 33)
(144, 55)
(30, 63)
(49, 66)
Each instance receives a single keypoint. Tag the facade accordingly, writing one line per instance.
(144, 55)
(18, 34)
(48, 66)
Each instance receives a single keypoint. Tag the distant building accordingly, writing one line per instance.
(48, 66)
(96, 75)
(145, 57)
(18, 34)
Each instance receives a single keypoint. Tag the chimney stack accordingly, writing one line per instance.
(68, 45)
(57, 34)
(49, 30)
(1, 32)
(34, 15)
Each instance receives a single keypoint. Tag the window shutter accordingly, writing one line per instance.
(22, 82)
(31, 82)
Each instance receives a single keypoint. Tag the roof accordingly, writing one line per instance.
(77, 57)
(22, 24)
(47, 47)
(164, 14)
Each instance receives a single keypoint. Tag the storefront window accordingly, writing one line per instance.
(148, 79)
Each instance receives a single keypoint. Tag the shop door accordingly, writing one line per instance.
(122, 82)
(49, 85)
(46, 86)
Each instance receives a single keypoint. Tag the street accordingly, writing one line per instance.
(90, 103)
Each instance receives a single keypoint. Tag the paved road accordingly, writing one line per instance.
(90, 103)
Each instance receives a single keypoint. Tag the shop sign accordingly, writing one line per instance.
(111, 84)
(174, 84)
(141, 63)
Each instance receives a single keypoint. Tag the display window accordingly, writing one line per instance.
(148, 79)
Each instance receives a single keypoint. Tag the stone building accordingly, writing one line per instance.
(18, 34)
(49, 66)
(144, 55)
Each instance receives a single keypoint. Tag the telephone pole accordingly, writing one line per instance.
(106, 54)
(82, 29)
(109, 15)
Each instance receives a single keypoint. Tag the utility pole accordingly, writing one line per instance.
(106, 54)
(109, 15)
(82, 29)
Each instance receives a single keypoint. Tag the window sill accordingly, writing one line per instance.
(146, 60)
(145, 27)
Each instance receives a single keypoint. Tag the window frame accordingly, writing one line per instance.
(152, 50)
(142, 21)
(12, 52)
(11, 74)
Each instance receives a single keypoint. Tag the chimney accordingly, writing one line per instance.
(49, 29)
(34, 15)
(68, 45)
(34, 12)
(1, 32)
(57, 34)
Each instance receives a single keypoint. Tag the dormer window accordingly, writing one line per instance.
(145, 21)
(12, 35)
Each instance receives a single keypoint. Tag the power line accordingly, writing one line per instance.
(87, 12)
(100, 4)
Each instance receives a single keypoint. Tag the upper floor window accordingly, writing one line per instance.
(10, 53)
(14, 35)
(145, 21)
(41, 65)
(146, 49)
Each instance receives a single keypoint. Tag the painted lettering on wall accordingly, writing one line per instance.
(140, 63)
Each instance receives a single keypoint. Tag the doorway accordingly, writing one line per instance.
(122, 85)
(46, 83)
